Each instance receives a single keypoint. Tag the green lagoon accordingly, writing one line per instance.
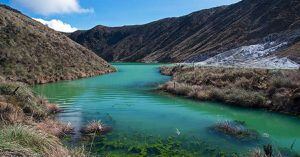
(148, 123)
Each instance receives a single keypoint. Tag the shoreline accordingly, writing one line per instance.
(45, 80)
(28, 121)
(272, 90)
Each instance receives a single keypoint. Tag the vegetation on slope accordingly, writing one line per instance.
(25, 140)
(33, 53)
(27, 126)
(276, 90)
(292, 52)
(199, 35)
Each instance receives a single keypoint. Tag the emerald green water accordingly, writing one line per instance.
(126, 101)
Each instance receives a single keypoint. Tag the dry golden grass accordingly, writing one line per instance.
(32, 53)
(53, 108)
(96, 127)
(55, 128)
(26, 125)
(78, 152)
(10, 114)
(277, 90)
(26, 139)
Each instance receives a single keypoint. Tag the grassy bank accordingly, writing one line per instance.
(276, 90)
(27, 124)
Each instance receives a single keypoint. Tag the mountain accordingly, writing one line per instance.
(293, 52)
(200, 35)
(33, 53)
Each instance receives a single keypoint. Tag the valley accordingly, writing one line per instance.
(201, 35)
(148, 122)
(217, 82)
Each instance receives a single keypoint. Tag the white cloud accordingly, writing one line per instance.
(47, 7)
(57, 25)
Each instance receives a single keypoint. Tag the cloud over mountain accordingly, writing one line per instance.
(57, 25)
(47, 7)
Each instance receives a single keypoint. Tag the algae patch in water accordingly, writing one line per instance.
(141, 145)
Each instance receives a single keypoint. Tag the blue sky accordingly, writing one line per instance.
(86, 14)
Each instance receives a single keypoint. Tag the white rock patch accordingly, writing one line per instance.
(253, 56)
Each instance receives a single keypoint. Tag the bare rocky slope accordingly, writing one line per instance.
(200, 35)
(33, 53)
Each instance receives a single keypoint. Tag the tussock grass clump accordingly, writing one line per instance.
(236, 130)
(239, 97)
(177, 88)
(55, 128)
(26, 140)
(78, 152)
(20, 95)
(26, 125)
(276, 90)
(10, 114)
(233, 96)
(19, 104)
(270, 151)
(53, 108)
(96, 127)
(2, 78)
(257, 153)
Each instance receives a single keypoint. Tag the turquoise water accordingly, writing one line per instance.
(127, 101)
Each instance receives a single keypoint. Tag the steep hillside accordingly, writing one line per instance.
(200, 35)
(292, 52)
(33, 53)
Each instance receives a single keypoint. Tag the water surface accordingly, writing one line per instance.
(127, 101)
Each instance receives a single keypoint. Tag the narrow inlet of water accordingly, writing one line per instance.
(126, 100)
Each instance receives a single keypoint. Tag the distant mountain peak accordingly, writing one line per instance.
(202, 33)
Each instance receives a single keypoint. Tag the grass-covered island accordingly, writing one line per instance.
(271, 89)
